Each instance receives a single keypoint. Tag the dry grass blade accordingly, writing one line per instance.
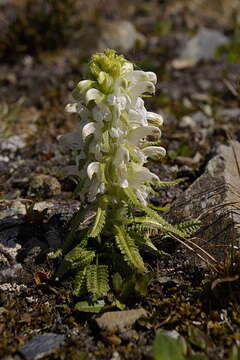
(184, 242)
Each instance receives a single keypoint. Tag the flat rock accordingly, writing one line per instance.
(41, 346)
(118, 320)
(215, 198)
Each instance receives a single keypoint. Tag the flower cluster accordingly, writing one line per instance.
(111, 141)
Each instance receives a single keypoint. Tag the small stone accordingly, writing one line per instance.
(41, 346)
(120, 35)
(13, 143)
(187, 121)
(118, 320)
(203, 45)
(202, 120)
(15, 209)
(45, 186)
(42, 205)
(180, 64)
(229, 114)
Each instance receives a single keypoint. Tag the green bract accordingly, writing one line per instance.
(114, 139)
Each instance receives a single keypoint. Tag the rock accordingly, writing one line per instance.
(13, 143)
(118, 320)
(13, 209)
(202, 120)
(45, 186)
(41, 346)
(197, 120)
(229, 114)
(180, 64)
(214, 197)
(9, 268)
(17, 289)
(187, 121)
(203, 45)
(120, 35)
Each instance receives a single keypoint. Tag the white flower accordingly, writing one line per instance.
(154, 152)
(114, 124)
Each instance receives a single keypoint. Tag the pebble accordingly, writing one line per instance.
(41, 346)
(121, 35)
(44, 185)
(203, 45)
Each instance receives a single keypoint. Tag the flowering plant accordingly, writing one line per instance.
(111, 144)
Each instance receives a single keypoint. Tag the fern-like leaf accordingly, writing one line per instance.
(97, 280)
(77, 258)
(129, 249)
(98, 223)
(164, 225)
(131, 197)
(79, 282)
(81, 215)
(77, 220)
(170, 183)
(189, 227)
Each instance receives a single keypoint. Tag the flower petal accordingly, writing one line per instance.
(154, 152)
(122, 156)
(154, 118)
(94, 94)
(87, 130)
(72, 108)
(93, 168)
(144, 87)
(151, 77)
(137, 117)
(85, 85)
(126, 67)
(101, 113)
(138, 76)
(141, 132)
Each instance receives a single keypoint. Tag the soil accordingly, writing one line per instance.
(200, 104)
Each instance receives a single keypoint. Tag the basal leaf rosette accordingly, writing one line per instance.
(111, 142)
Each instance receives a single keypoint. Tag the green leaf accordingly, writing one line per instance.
(128, 249)
(77, 258)
(199, 356)
(142, 282)
(197, 337)
(117, 282)
(235, 353)
(78, 218)
(97, 280)
(171, 183)
(55, 254)
(162, 223)
(169, 345)
(118, 304)
(86, 306)
(132, 197)
(79, 282)
(189, 227)
(98, 223)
